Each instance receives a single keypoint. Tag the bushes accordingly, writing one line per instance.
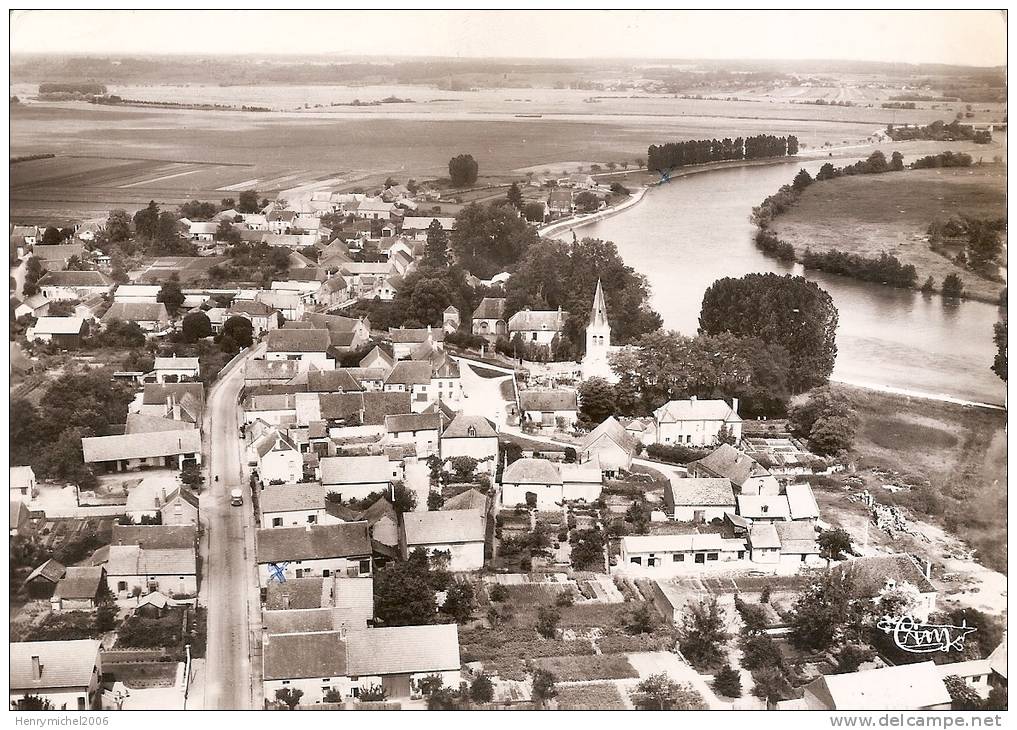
(769, 244)
(65, 626)
(588, 668)
(624, 644)
(675, 454)
(887, 269)
(943, 159)
(728, 682)
(140, 632)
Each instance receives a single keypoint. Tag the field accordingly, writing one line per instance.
(869, 214)
(599, 696)
(960, 451)
(125, 156)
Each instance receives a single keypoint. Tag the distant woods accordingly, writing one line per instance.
(81, 88)
(698, 152)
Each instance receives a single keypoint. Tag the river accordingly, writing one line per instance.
(696, 229)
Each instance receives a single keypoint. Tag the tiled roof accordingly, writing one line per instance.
(144, 423)
(903, 687)
(531, 471)
(363, 374)
(58, 252)
(354, 470)
(155, 536)
(377, 405)
(333, 381)
(403, 650)
(548, 400)
(270, 369)
(530, 319)
(133, 560)
(763, 535)
(797, 538)
(471, 499)
(76, 279)
(51, 571)
(292, 497)
(694, 492)
(176, 363)
(159, 393)
(412, 422)
(63, 664)
(612, 430)
(696, 410)
(251, 308)
(755, 506)
(413, 335)
(870, 574)
(80, 582)
(444, 526)
(340, 406)
(727, 461)
(58, 325)
(140, 445)
(282, 544)
(297, 656)
(136, 312)
(461, 426)
(290, 340)
(298, 593)
(672, 543)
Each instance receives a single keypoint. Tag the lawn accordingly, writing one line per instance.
(588, 668)
(960, 451)
(601, 696)
(870, 214)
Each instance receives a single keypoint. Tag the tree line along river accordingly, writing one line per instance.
(688, 233)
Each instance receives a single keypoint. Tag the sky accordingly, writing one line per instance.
(974, 38)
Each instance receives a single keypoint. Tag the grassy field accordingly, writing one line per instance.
(960, 451)
(869, 214)
(598, 696)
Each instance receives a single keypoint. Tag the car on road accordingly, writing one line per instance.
(236, 497)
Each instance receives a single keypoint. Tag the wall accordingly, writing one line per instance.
(426, 442)
(167, 584)
(287, 466)
(702, 433)
(612, 457)
(478, 448)
(358, 491)
(688, 514)
(549, 496)
(464, 556)
(314, 568)
(587, 491)
(295, 518)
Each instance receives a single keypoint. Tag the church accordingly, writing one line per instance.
(596, 362)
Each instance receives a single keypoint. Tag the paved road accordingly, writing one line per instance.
(229, 583)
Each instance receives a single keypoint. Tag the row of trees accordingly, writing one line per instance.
(939, 131)
(696, 152)
(885, 269)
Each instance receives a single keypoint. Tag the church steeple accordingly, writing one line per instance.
(598, 315)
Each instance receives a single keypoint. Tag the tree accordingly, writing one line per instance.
(51, 236)
(226, 233)
(118, 227)
(997, 699)
(702, 633)
(822, 611)
(171, 295)
(462, 170)
(482, 690)
(929, 286)
(403, 498)
(436, 249)
(587, 549)
(515, 196)
(789, 311)
(33, 702)
(596, 401)
(429, 299)
(771, 685)
(289, 696)
(403, 592)
(533, 212)
(374, 693)
(587, 202)
(999, 337)
(248, 202)
(434, 501)
(953, 287)
(802, 180)
(826, 419)
(196, 325)
(146, 220)
(488, 240)
(728, 682)
(547, 621)
(542, 688)
(660, 692)
(34, 270)
(239, 330)
(332, 696)
(962, 697)
(725, 436)
(833, 544)
(759, 651)
(444, 698)
(896, 161)
(192, 476)
(853, 656)
(460, 601)
(641, 621)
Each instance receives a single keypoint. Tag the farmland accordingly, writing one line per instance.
(870, 214)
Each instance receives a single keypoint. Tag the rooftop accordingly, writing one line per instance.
(298, 340)
(694, 409)
(548, 400)
(61, 663)
(444, 526)
(466, 426)
(727, 461)
(693, 492)
(903, 687)
(282, 544)
(337, 470)
(292, 497)
(140, 445)
(531, 471)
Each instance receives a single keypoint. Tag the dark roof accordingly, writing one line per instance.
(490, 308)
(412, 422)
(63, 664)
(185, 494)
(51, 571)
(871, 574)
(413, 335)
(613, 430)
(80, 582)
(136, 312)
(340, 406)
(298, 340)
(548, 400)
(157, 394)
(378, 404)
(156, 537)
(282, 544)
(410, 372)
(332, 381)
(76, 278)
(531, 471)
(699, 493)
(727, 461)
(252, 308)
(295, 656)
(302, 593)
(461, 424)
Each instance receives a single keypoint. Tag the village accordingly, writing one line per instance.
(429, 516)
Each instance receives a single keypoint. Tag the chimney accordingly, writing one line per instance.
(734, 405)
(36, 668)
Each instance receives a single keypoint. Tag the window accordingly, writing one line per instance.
(81, 703)
(471, 432)
(277, 522)
(286, 681)
(325, 573)
(311, 519)
(678, 558)
(636, 561)
(533, 337)
(365, 566)
(712, 556)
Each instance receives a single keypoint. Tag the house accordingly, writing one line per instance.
(419, 429)
(42, 582)
(744, 472)
(405, 340)
(459, 533)
(471, 499)
(697, 499)
(290, 304)
(278, 221)
(764, 543)
(416, 226)
(36, 305)
(22, 482)
(356, 477)
(153, 558)
(798, 544)
(180, 401)
(643, 430)
(340, 380)
(802, 502)
(903, 687)
(372, 379)
(560, 203)
(67, 674)
(472, 436)
(488, 318)
(80, 589)
(63, 332)
(395, 658)
(70, 285)
(137, 293)
(446, 379)
(29, 234)
(346, 333)
(355, 613)
(127, 452)
(180, 507)
(293, 505)
(373, 209)
(609, 444)
(538, 477)
(537, 327)
(413, 377)
(672, 554)
(276, 409)
(312, 551)
(19, 517)
(550, 409)
(176, 369)
(763, 509)
(55, 257)
(308, 346)
(202, 230)
(875, 574)
(150, 499)
(279, 459)
(697, 422)
(270, 372)
(261, 316)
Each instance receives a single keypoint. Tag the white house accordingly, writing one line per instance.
(698, 500)
(312, 551)
(70, 285)
(279, 459)
(127, 452)
(473, 436)
(675, 554)
(22, 482)
(65, 673)
(550, 409)
(419, 429)
(610, 445)
(65, 332)
(907, 687)
(137, 293)
(413, 377)
(307, 346)
(176, 369)
(537, 327)
(460, 533)
(293, 505)
(153, 558)
(356, 477)
(695, 422)
(261, 316)
(539, 477)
